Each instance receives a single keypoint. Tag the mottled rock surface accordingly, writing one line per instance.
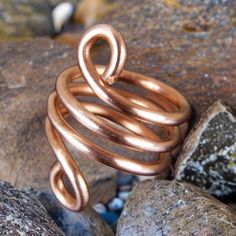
(25, 19)
(187, 44)
(23, 214)
(28, 73)
(85, 223)
(208, 157)
(158, 207)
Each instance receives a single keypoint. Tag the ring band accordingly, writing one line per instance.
(162, 106)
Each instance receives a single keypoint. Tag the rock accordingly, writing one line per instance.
(116, 204)
(208, 157)
(23, 214)
(160, 207)
(123, 195)
(100, 208)
(85, 223)
(27, 76)
(111, 218)
(25, 18)
(189, 45)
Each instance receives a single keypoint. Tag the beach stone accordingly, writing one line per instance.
(208, 157)
(84, 223)
(25, 19)
(28, 72)
(187, 44)
(23, 214)
(160, 207)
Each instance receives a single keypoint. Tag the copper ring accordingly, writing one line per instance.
(163, 106)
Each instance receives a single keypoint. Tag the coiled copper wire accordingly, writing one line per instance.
(164, 106)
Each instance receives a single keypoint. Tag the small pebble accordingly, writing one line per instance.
(123, 195)
(100, 208)
(125, 188)
(61, 15)
(116, 204)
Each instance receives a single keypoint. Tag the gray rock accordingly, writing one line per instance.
(23, 214)
(84, 223)
(159, 207)
(208, 159)
(123, 195)
(100, 208)
(27, 76)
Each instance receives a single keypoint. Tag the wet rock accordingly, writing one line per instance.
(208, 159)
(23, 214)
(27, 76)
(84, 223)
(189, 45)
(159, 207)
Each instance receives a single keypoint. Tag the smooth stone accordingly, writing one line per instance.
(22, 214)
(123, 195)
(125, 187)
(115, 204)
(28, 74)
(208, 157)
(189, 45)
(100, 208)
(84, 223)
(160, 207)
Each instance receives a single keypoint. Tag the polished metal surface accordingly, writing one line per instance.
(163, 106)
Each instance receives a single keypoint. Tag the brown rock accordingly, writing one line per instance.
(187, 44)
(28, 73)
(23, 214)
(158, 207)
(208, 157)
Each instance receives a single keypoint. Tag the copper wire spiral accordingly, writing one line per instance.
(164, 107)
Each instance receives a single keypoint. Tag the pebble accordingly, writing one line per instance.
(100, 208)
(123, 195)
(115, 204)
(61, 14)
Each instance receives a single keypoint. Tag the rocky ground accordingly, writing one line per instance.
(187, 44)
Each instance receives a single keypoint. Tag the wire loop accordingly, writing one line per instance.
(163, 106)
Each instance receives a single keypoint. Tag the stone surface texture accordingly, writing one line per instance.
(27, 76)
(23, 214)
(187, 44)
(159, 207)
(208, 157)
(85, 223)
(26, 18)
